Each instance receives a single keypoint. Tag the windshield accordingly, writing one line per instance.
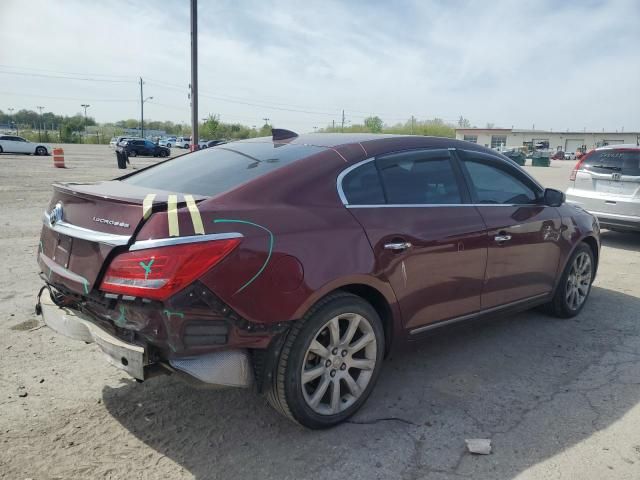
(625, 162)
(218, 169)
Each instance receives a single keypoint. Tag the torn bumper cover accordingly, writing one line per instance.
(230, 368)
(70, 323)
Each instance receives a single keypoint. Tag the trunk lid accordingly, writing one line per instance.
(85, 222)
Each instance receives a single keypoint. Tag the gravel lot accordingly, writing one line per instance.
(558, 398)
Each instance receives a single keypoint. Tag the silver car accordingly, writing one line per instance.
(606, 182)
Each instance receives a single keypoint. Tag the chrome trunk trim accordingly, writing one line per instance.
(84, 233)
(165, 242)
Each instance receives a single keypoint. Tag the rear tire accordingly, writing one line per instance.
(1, 151)
(575, 284)
(329, 362)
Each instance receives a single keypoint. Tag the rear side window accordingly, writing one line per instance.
(625, 162)
(362, 186)
(422, 177)
(215, 170)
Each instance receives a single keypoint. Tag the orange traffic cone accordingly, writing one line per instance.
(58, 157)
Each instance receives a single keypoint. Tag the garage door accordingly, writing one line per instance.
(572, 144)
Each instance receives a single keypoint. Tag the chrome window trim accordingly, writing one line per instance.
(347, 170)
(84, 233)
(344, 173)
(165, 242)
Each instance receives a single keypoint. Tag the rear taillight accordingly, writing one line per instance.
(574, 172)
(158, 273)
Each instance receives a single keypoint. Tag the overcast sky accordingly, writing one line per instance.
(556, 64)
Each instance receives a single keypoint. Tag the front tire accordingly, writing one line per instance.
(329, 362)
(41, 151)
(575, 284)
(133, 153)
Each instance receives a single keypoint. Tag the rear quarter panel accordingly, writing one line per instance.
(299, 242)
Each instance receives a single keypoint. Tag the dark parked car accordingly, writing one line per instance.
(295, 264)
(145, 148)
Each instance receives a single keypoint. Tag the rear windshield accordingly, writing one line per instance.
(218, 169)
(625, 162)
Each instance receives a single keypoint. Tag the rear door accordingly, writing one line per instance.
(429, 243)
(522, 233)
(608, 181)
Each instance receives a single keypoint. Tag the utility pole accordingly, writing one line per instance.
(141, 110)
(342, 127)
(85, 106)
(333, 124)
(412, 119)
(40, 122)
(266, 121)
(10, 116)
(194, 75)
(142, 100)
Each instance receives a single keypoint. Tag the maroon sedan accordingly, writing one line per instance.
(296, 263)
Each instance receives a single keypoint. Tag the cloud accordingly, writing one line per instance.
(556, 64)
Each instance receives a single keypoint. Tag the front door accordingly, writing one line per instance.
(523, 233)
(427, 242)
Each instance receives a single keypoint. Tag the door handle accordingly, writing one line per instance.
(502, 238)
(397, 246)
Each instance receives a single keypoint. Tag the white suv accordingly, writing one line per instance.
(182, 142)
(606, 182)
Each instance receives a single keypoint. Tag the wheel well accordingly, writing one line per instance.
(593, 245)
(379, 303)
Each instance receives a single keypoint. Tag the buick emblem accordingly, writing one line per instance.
(55, 215)
(616, 177)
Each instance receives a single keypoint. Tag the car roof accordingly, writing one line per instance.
(334, 140)
(626, 146)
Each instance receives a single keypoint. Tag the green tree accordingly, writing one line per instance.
(374, 124)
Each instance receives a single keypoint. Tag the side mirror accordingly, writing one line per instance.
(553, 197)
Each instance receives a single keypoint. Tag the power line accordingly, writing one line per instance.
(15, 67)
(68, 98)
(28, 74)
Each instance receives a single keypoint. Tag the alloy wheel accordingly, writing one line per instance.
(579, 281)
(339, 364)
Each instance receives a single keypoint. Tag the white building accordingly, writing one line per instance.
(568, 141)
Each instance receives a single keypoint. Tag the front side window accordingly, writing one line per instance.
(493, 185)
(362, 186)
(422, 177)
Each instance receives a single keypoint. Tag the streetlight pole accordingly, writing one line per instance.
(194, 75)
(85, 106)
(40, 122)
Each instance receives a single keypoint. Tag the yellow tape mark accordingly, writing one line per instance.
(147, 205)
(198, 228)
(172, 215)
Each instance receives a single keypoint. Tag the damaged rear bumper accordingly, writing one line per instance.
(73, 324)
(231, 368)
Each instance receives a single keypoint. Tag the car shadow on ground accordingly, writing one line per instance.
(621, 240)
(533, 384)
